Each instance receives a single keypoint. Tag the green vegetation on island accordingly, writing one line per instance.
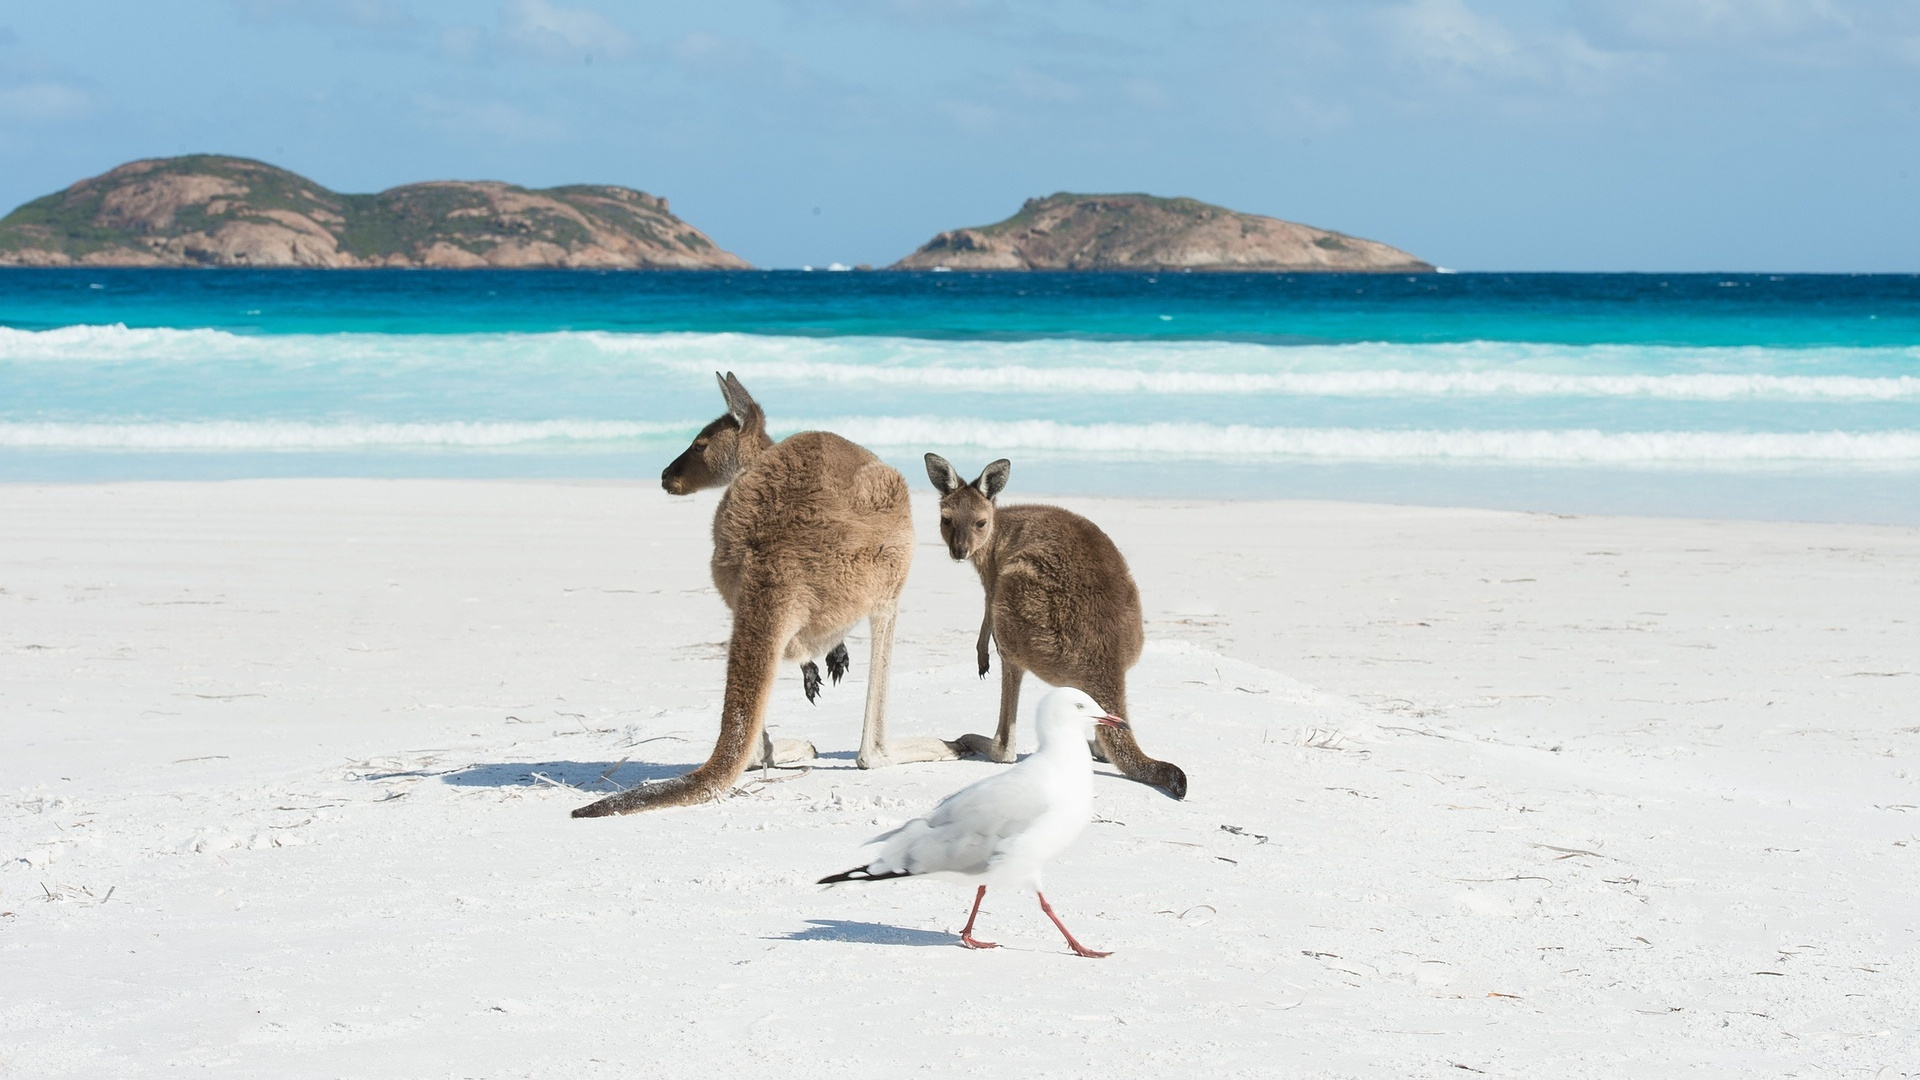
(1069, 231)
(213, 210)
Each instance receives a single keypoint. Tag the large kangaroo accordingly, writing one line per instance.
(1060, 603)
(813, 535)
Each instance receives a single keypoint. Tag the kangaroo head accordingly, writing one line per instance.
(966, 510)
(722, 448)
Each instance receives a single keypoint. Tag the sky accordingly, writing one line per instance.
(1645, 135)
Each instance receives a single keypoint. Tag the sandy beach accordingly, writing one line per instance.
(285, 769)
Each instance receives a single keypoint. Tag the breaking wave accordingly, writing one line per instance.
(291, 435)
(1897, 449)
(1063, 366)
(1558, 447)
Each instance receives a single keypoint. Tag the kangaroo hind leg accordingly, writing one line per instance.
(1000, 747)
(875, 749)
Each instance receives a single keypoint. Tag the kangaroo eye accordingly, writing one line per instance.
(699, 444)
(979, 524)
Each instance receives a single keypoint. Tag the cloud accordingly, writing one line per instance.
(1449, 39)
(44, 102)
(1676, 22)
(563, 35)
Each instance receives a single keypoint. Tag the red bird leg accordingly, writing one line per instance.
(1064, 932)
(966, 934)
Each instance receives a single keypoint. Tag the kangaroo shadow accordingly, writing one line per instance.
(604, 776)
(867, 933)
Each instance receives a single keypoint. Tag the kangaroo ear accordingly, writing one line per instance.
(942, 475)
(740, 404)
(993, 478)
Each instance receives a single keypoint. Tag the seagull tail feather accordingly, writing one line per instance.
(862, 873)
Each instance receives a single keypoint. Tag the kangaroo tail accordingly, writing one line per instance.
(1124, 751)
(753, 657)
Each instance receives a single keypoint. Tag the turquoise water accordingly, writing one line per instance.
(1763, 396)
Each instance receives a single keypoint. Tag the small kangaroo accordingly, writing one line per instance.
(813, 535)
(1060, 603)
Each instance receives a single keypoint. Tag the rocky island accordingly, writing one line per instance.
(1144, 232)
(211, 210)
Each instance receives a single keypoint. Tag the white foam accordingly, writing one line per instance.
(247, 435)
(1062, 366)
(1378, 383)
(1547, 447)
(1176, 441)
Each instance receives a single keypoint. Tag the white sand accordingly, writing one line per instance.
(283, 768)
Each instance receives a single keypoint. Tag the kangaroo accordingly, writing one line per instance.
(812, 535)
(1049, 575)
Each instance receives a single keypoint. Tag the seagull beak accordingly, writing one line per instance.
(1114, 721)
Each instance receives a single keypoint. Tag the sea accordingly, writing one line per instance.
(1699, 395)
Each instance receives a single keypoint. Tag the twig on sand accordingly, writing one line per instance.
(1516, 877)
(747, 788)
(1238, 831)
(1570, 852)
(611, 769)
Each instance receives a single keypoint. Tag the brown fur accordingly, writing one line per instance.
(1060, 603)
(813, 534)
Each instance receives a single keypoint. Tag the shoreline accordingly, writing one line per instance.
(289, 764)
(1882, 498)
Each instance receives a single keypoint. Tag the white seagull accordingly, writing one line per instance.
(1004, 828)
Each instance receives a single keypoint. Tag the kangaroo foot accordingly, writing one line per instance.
(981, 746)
(810, 679)
(903, 751)
(838, 662)
(785, 752)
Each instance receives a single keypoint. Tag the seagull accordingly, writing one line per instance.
(1004, 828)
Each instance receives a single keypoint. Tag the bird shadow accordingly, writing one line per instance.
(866, 933)
(608, 776)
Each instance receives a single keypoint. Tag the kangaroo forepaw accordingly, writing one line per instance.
(985, 665)
(810, 679)
(982, 746)
(838, 662)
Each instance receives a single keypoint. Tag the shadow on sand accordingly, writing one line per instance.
(589, 776)
(867, 933)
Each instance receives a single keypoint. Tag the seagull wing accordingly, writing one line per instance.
(968, 829)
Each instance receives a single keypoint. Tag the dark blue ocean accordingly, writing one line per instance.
(1702, 395)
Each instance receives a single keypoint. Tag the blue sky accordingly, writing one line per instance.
(1765, 135)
